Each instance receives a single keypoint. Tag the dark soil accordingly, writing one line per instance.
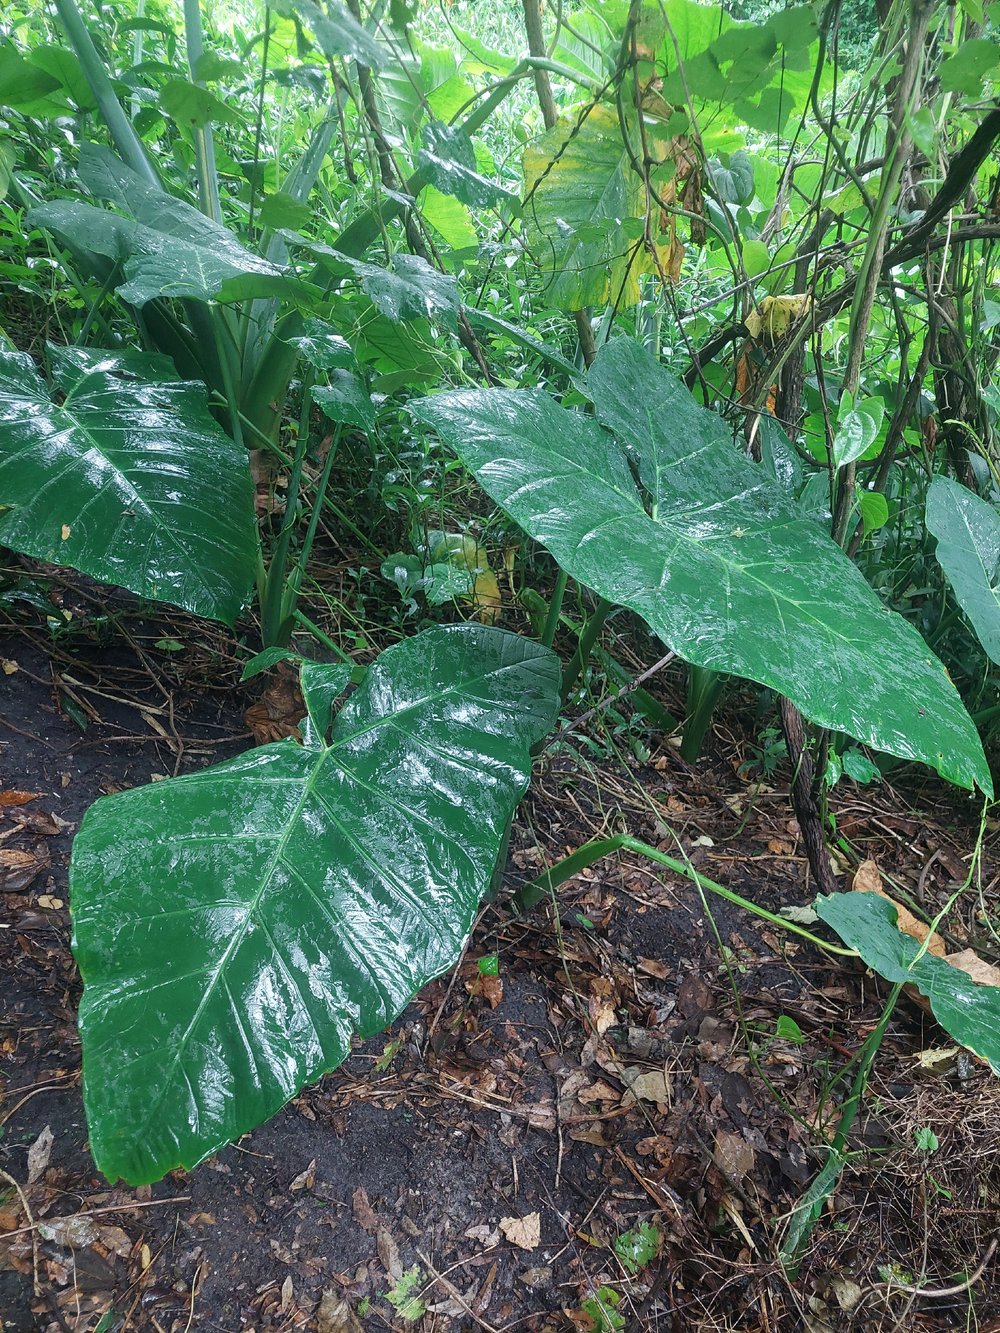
(643, 1057)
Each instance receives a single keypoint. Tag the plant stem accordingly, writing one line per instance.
(294, 581)
(584, 856)
(123, 136)
(588, 637)
(555, 608)
(704, 688)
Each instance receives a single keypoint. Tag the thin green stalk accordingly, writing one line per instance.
(555, 609)
(585, 856)
(273, 625)
(811, 1204)
(294, 581)
(208, 180)
(322, 637)
(220, 331)
(588, 638)
(119, 127)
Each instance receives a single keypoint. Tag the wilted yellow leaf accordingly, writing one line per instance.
(775, 315)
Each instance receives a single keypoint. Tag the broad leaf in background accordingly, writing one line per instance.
(235, 928)
(450, 160)
(346, 401)
(583, 211)
(128, 479)
(724, 567)
(968, 533)
(857, 429)
(966, 1010)
(337, 31)
(160, 262)
(411, 289)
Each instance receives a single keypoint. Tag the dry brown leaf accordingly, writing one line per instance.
(72, 1233)
(650, 1086)
(39, 1154)
(279, 710)
(524, 1232)
(18, 797)
(868, 880)
(364, 1213)
(388, 1252)
(336, 1316)
(733, 1156)
(305, 1180)
(969, 962)
(19, 869)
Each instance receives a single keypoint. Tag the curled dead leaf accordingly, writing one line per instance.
(525, 1232)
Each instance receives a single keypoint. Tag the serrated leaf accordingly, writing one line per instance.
(236, 927)
(129, 479)
(970, 1013)
(723, 567)
(968, 532)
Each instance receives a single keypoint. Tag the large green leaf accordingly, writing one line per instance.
(236, 927)
(128, 479)
(581, 192)
(968, 533)
(723, 566)
(450, 160)
(164, 260)
(966, 1010)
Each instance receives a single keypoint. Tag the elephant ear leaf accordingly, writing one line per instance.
(235, 928)
(720, 562)
(128, 479)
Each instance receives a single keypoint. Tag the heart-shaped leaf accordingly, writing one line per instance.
(723, 565)
(969, 1012)
(236, 927)
(128, 479)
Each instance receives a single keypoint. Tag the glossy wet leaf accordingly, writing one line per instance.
(235, 928)
(966, 1010)
(411, 289)
(128, 479)
(968, 532)
(346, 400)
(450, 160)
(337, 31)
(718, 560)
(165, 260)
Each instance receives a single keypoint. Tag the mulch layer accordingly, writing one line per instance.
(610, 1132)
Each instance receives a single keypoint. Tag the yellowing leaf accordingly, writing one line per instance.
(464, 553)
(774, 316)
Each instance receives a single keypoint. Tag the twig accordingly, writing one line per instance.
(941, 1293)
(34, 1238)
(455, 1294)
(610, 699)
(90, 1212)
